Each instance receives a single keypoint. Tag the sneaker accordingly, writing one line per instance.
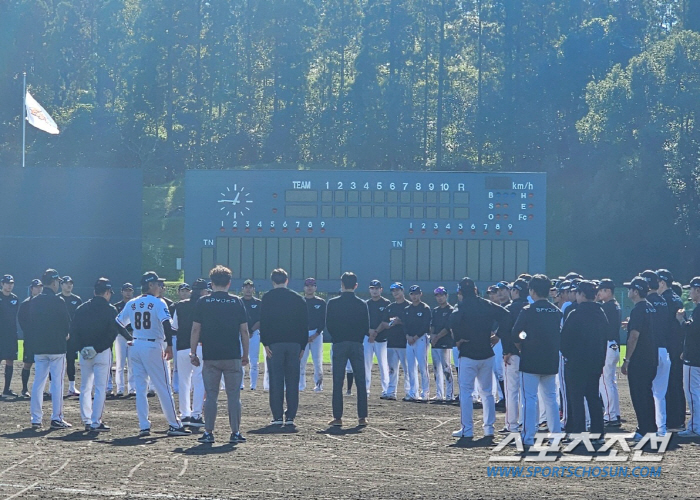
(9, 393)
(336, 422)
(408, 398)
(178, 431)
(195, 422)
(185, 420)
(688, 433)
(542, 425)
(100, 428)
(47, 396)
(74, 392)
(131, 394)
(477, 405)
(237, 437)
(207, 437)
(36, 426)
(390, 397)
(676, 429)
(501, 405)
(60, 424)
(145, 432)
(598, 442)
(278, 421)
(348, 393)
(252, 388)
(25, 393)
(461, 434)
(88, 427)
(119, 395)
(150, 393)
(318, 388)
(362, 422)
(613, 423)
(636, 438)
(504, 431)
(289, 423)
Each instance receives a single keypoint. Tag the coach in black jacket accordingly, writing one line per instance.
(93, 332)
(284, 333)
(583, 345)
(347, 320)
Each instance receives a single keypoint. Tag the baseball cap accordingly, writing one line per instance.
(572, 276)
(440, 291)
(414, 289)
(606, 283)
(248, 282)
(36, 282)
(150, 277)
(638, 283)
(575, 283)
(651, 278)
(525, 276)
(7, 278)
(375, 284)
(466, 284)
(502, 285)
(665, 275)
(564, 285)
(396, 286)
(520, 284)
(184, 286)
(66, 279)
(49, 276)
(199, 284)
(491, 289)
(677, 288)
(310, 281)
(586, 287)
(127, 286)
(694, 283)
(102, 285)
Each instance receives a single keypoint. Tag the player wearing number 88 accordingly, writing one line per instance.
(152, 347)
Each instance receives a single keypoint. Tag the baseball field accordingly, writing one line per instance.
(406, 452)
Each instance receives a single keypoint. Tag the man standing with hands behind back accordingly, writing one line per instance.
(284, 333)
(347, 320)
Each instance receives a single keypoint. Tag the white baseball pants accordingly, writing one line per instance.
(379, 349)
(121, 350)
(417, 356)
(149, 364)
(442, 368)
(511, 381)
(691, 386)
(43, 365)
(93, 373)
(608, 384)
(547, 386)
(190, 379)
(395, 357)
(254, 356)
(469, 371)
(315, 348)
(659, 387)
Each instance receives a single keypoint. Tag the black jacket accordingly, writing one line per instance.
(675, 338)
(416, 319)
(691, 329)
(347, 318)
(93, 325)
(660, 319)
(9, 305)
(283, 318)
(584, 338)
(539, 351)
(472, 320)
(612, 312)
(47, 323)
(184, 311)
(507, 339)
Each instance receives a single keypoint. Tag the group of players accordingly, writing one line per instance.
(547, 351)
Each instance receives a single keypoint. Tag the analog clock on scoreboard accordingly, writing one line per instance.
(426, 228)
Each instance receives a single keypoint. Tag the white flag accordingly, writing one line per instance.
(38, 117)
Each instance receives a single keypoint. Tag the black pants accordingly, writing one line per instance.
(70, 365)
(640, 380)
(355, 353)
(675, 397)
(581, 389)
(284, 377)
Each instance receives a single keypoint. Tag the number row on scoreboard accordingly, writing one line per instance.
(448, 261)
(390, 212)
(256, 257)
(339, 196)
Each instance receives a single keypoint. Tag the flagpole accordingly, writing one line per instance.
(24, 115)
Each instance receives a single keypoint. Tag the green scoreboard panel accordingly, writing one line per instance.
(426, 228)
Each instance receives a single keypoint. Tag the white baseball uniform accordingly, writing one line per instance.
(146, 314)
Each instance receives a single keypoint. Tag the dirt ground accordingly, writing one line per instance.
(407, 451)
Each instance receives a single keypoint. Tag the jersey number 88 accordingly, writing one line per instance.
(146, 320)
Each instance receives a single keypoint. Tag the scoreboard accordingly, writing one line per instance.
(426, 228)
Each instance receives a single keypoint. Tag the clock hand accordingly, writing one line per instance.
(226, 201)
(235, 200)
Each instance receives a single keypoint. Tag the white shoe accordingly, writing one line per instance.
(461, 434)
(688, 433)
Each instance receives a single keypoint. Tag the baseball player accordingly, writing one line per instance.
(9, 305)
(72, 302)
(691, 361)
(417, 317)
(608, 380)
(537, 336)
(511, 359)
(121, 350)
(441, 343)
(661, 324)
(152, 348)
(252, 308)
(675, 397)
(316, 308)
(374, 343)
(396, 341)
(191, 383)
(642, 357)
(35, 288)
(94, 330)
(46, 326)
